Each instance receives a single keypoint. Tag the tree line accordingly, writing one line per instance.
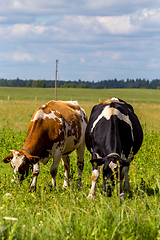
(111, 83)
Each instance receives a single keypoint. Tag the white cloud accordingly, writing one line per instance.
(83, 7)
(147, 13)
(24, 32)
(2, 19)
(21, 57)
(117, 25)
(82, 60)
(17, 56)
(97, 33)
(147, 18)
(154, 63)
(17, 5)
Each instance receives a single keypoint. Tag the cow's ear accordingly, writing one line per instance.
(8, 158)
(34, 159)
(126, 162)
(97, 161)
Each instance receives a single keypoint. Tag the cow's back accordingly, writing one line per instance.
(57, 122)
(113, 127)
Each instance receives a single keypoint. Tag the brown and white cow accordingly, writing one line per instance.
(55, 130)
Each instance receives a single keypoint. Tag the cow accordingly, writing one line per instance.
(113, 136)
(55, 130)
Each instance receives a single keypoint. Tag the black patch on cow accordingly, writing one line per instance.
(67, 153)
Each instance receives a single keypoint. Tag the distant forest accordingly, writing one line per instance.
(129, 83)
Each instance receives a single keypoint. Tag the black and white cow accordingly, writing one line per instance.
(113, 135)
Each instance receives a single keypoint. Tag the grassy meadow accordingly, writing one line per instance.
(68, 213)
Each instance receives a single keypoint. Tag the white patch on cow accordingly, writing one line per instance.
(13, 179)
(114, 99)
(40, 114)
(97, 155)
(80, 112)
(16, 160)
(34, 181)
(112, 165)
(108, 112)
(15, 153)
(71, 102)
(95, 176)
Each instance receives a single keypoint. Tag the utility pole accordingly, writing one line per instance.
(56, 80)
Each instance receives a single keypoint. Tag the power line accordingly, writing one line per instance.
(114, 68)
(81, 65)
(25, 64)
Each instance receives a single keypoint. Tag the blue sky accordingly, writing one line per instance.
(92, 40)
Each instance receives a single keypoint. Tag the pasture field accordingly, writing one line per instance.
(79, 94)
(18, 110)
(68, 213)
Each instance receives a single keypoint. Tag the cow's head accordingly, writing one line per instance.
(20, 161)
(111, 165)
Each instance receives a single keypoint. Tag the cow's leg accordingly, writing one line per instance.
(107, 187)
(126, 183)
(104, 183)
(95, 176)
(66, 165)
(35, 175)
(14, 178)
(54, 168)
(124, 173)
(121, 180)
(80, 162)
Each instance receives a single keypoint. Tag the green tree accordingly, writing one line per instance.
(28, 84)
(38, 84)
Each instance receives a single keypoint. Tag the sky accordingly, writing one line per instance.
(92, 40)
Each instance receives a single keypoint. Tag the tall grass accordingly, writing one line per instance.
(17, 113)
(69, 214)
(18, 110)
(93, 95)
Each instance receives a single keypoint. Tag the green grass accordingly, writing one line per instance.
(68, 214)
(18, 110)
(94, 95)
(17, 113)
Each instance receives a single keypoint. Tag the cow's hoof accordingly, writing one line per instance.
(65, 186)
(79, 185)
(32, 189)
(90, 196)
